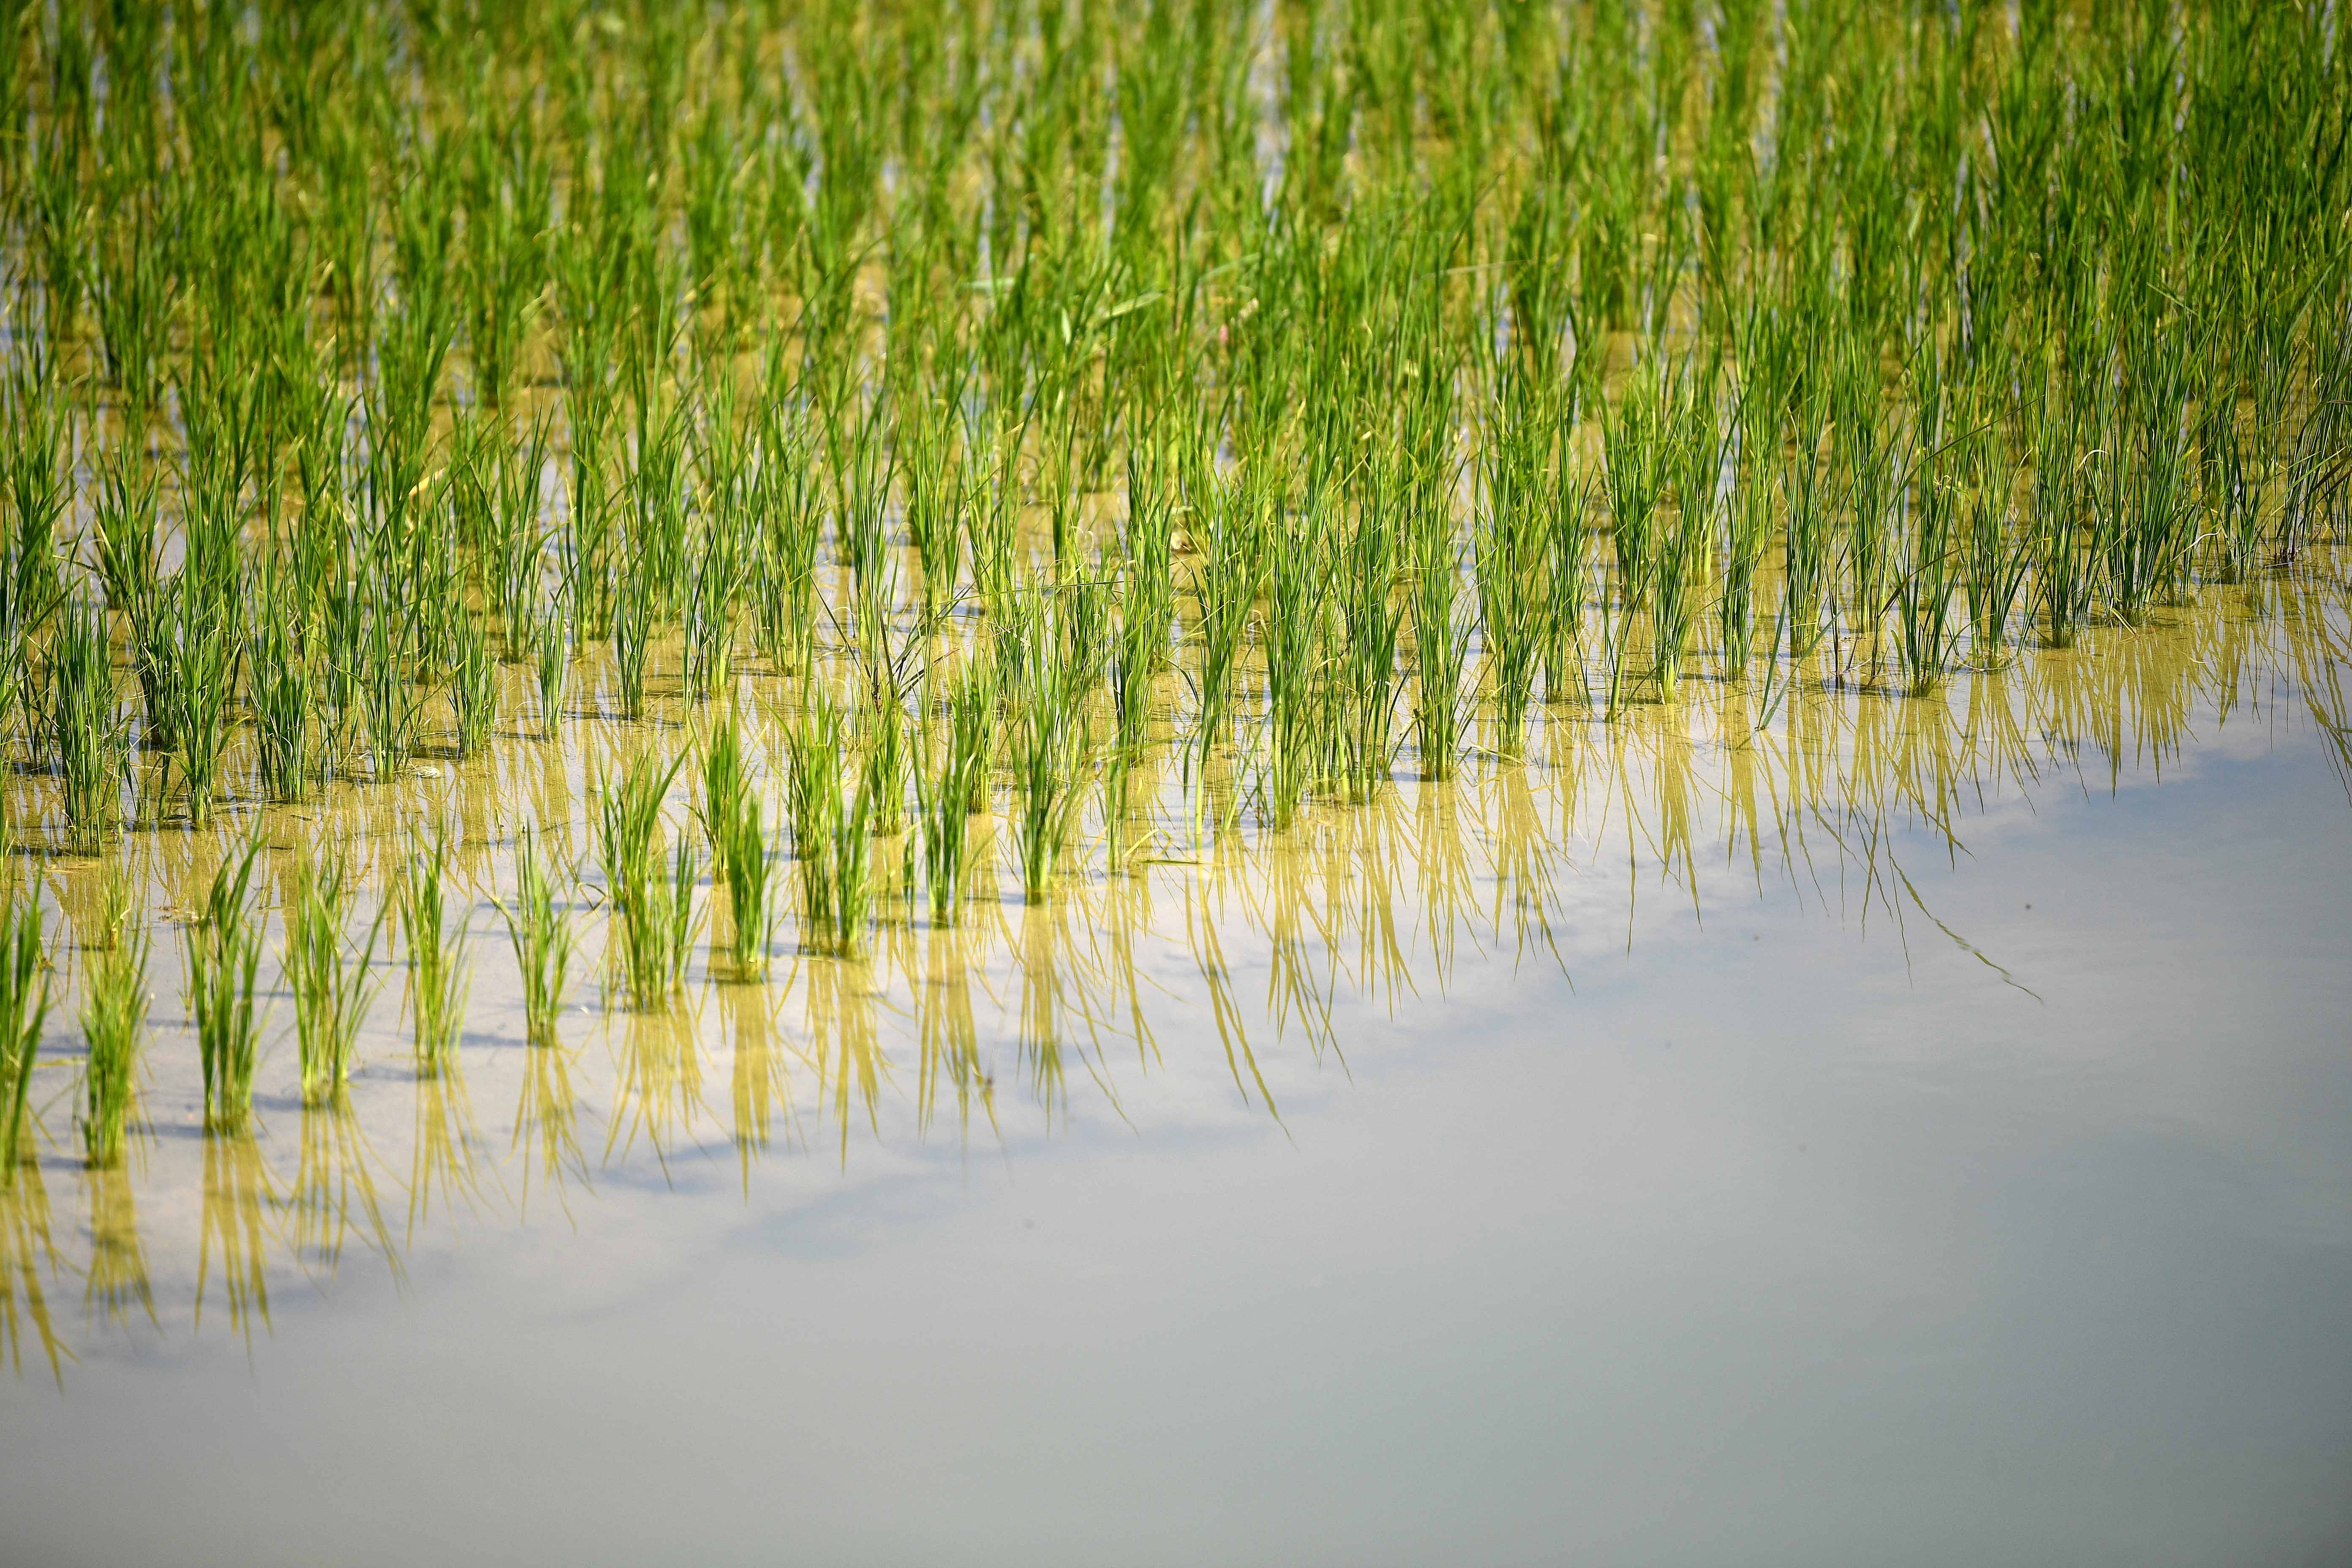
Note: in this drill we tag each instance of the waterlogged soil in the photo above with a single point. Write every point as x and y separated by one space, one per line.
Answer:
1814 1126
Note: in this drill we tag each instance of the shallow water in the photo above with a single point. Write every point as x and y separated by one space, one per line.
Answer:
1912 1130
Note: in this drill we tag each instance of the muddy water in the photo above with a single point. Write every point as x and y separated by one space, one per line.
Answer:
1842 1129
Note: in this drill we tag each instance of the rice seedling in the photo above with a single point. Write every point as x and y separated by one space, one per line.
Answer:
732 820
123 517
542 936
633 625
516 542
200 650
223 953
278 655
332 987
1995 556
1441 652
833 835
1300 706
24 1008
473 687
1567 547
91 736
649 879
1047 742
2062 577
1922 599
114 1022
1747 533
389 700
437 960
949 798
1680 550
1226 587
551 655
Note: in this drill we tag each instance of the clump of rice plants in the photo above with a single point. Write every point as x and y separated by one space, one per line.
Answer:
733 819
542 936
197 649
332 986
91 736
114 1022
473 687
551 656
437 960
832 830
224 957
284 701
649 879
1048 744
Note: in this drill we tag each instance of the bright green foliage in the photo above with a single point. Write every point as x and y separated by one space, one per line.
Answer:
437 961
332 987
224 957
649 879
542 936
113 1019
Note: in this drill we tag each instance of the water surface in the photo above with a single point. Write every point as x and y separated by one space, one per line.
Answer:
1911 1131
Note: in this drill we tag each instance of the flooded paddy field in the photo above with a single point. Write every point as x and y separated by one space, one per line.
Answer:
1904 1114
1169 784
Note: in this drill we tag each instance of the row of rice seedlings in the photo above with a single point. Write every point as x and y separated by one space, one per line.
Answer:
551 655
970 403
